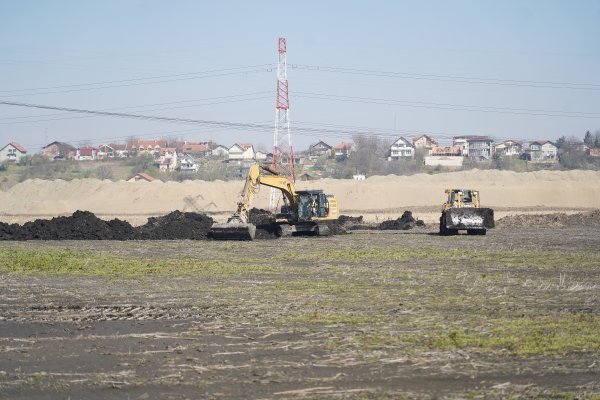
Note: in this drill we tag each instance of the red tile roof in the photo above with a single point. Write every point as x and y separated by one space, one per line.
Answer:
343 146
194 148
18 147
143 176
86 151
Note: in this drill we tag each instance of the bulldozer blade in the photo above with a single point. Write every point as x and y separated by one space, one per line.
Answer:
470 218
233 231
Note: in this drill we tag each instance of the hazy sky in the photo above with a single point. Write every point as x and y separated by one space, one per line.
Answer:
508 69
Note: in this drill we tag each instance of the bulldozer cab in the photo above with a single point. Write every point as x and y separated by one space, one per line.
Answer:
459 198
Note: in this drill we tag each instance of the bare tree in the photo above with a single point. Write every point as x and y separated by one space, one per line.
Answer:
370 155
104 172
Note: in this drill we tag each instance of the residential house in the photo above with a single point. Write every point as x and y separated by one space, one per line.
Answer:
461 143
262 155
58 150
86 153
241 152
543 151
509 148
480 147
319 149
401 149
112 150
106 151
195 149
343 150
188 164
152 147
424 142
12 152
219 151
140 177
167 159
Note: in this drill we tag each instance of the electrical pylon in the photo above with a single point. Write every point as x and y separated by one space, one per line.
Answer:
283 156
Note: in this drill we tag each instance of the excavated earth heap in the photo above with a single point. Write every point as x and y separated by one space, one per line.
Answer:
84 225
590 218
403 223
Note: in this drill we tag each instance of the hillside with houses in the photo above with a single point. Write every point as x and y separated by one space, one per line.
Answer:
364 156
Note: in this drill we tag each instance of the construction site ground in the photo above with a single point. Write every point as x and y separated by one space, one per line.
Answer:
381 314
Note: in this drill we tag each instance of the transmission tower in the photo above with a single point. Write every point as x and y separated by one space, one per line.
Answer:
283 156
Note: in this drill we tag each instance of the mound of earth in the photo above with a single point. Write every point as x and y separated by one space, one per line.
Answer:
177 225
336 227
82 225
403 223
266 228
591 218
353 223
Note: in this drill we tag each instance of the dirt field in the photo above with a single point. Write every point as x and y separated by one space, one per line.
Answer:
380 315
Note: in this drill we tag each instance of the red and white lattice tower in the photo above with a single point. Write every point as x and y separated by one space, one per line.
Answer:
283 156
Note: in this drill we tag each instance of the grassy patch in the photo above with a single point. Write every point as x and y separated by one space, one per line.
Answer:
546 259
520 337
98 264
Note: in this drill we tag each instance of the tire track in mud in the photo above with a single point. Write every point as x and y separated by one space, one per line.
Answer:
122 312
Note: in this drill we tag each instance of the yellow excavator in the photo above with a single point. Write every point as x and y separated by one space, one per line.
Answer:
462 211
304 212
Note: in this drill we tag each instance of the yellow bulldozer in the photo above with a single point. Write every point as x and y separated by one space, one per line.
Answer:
462 211
303 212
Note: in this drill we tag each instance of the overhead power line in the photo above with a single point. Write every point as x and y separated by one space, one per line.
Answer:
448 78
303 129
138 81
198 103
446 106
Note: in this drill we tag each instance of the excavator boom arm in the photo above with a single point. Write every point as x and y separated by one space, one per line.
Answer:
238 226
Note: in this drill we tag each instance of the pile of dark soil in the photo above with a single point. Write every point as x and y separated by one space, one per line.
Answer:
8 231
84 225
404 223
266 228
350 223
591 218
176 225
336 227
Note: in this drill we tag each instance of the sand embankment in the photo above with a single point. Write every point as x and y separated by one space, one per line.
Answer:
377 197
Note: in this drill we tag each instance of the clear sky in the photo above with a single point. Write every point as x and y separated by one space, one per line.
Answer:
507 69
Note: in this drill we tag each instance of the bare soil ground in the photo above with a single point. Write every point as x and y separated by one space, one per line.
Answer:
391 314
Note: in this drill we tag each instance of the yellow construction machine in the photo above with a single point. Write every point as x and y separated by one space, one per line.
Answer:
462 211
304 212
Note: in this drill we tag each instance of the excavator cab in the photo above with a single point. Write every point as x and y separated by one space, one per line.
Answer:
312 204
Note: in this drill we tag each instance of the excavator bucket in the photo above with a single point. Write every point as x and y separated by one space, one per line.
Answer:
469 218
233 231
